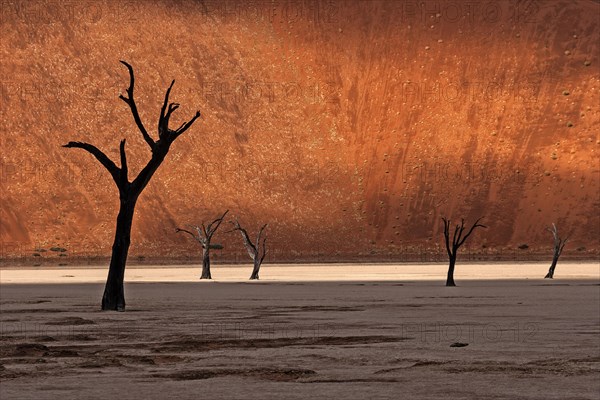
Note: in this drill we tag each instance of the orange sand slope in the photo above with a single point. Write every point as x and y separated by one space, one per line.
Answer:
346 125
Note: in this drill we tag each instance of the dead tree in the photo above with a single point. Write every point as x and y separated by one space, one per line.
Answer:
257 250
457 240
204 236
129 191
559 244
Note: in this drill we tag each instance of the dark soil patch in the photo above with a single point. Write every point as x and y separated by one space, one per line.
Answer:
195 345
71 321
270 374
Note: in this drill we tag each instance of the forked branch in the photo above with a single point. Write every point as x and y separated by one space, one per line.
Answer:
458 239
250 247
185 126
134 111
213 226
264 249
475 225
253 249
197 238
203 234
559 243
165 115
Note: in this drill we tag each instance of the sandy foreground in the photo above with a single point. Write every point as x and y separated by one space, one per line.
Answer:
310 331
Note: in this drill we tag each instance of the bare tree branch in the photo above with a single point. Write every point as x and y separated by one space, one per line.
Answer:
253 249
134 111
264 248
210 229
177 230
454 238
204 236
475 225
165 115
100 156
163 120
562 247
457 240
184 127
250 247
260 231
199 231
447 235
172 108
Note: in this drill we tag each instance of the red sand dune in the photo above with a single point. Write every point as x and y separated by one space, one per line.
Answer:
351 127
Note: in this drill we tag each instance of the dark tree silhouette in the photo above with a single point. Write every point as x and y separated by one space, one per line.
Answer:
559 244
457 240
204 236
257 250
129 191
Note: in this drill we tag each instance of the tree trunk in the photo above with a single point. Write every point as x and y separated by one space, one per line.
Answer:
114 296
550 274
450 278
256 268
205 264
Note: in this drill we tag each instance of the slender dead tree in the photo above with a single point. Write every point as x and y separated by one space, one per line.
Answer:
559 245
203 235
129 191
457 240
257 250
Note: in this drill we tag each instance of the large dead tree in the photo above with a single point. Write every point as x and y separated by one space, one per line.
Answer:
257 250
559 245
203 235
458 239
129 191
